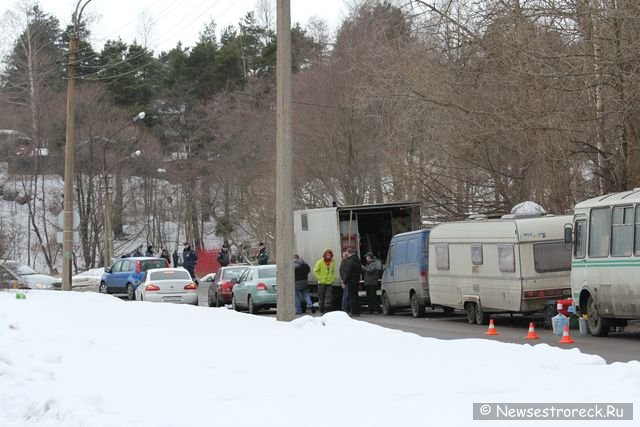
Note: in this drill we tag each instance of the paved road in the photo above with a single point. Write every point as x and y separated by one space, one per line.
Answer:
618 347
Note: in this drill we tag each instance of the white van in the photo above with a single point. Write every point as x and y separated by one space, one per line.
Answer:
508 265
606 253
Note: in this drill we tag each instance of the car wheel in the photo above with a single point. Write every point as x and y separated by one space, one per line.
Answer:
209 302
470 310
598 326
482 317
131 292
102 288
417 309
234 304
216 301
253 309
387 310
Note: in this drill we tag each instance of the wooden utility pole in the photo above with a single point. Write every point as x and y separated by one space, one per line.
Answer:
284 168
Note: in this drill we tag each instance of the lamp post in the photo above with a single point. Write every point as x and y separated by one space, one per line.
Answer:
67 234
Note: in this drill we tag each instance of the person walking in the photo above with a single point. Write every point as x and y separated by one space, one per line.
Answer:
223 256
353 271
263 255
343 281
176 258
149 251
325 272
301 273
371 274
189 259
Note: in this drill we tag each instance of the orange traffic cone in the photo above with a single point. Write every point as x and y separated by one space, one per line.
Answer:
566 339
532 333
492 329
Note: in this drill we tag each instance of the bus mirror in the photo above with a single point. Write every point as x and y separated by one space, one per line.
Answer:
568 234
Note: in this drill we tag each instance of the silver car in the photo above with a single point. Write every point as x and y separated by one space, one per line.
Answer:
167 285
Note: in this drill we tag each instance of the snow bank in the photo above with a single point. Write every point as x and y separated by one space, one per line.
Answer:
69 359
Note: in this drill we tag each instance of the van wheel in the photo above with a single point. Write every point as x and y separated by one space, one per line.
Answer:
470 309
417 309
599 326
482 317
131 294
387 310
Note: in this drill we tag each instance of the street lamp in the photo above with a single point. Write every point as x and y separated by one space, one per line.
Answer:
67 241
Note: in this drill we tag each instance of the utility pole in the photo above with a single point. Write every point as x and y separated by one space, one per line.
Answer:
67 233
284 168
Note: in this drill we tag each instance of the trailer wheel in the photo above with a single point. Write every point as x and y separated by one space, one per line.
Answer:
417 308
387 310
599 326
482 317
470 309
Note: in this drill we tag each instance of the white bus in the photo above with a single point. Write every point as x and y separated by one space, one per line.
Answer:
510 265
606 253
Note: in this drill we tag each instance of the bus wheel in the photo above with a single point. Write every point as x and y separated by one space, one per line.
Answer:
599 326
470 309
482 317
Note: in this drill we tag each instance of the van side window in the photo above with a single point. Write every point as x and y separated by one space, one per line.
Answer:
401 252
476 255
580 245
442 257
304 219
506 258
390 256
599 232
622 231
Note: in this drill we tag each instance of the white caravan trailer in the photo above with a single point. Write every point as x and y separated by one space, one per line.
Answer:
605 280
508 265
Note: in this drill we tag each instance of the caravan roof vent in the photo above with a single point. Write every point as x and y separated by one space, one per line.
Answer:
527 209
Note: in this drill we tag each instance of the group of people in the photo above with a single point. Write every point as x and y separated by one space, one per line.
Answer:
227 255
344 295
188 261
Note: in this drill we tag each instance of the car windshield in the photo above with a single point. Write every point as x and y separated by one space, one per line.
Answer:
233 273
148 264
170 275
19 268
267 273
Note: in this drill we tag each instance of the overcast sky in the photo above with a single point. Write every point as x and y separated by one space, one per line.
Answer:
175 20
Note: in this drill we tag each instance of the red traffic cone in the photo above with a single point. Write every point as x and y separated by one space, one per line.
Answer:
566 339
532 333
492 329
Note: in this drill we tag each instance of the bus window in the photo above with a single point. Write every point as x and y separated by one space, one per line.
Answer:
622 231
580 246
599 232
637 229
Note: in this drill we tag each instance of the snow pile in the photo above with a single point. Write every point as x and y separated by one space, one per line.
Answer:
85 359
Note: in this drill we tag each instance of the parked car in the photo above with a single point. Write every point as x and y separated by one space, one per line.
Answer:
256 289
167 285
87 280
125 273
219 292
14 274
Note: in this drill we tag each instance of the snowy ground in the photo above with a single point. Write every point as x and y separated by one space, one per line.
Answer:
85 359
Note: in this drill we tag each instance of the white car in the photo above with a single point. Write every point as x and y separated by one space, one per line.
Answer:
167 285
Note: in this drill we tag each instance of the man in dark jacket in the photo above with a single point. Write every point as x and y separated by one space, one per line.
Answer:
343 280
371 273
353 271
223 256
176 258
189 259
301 273
263 255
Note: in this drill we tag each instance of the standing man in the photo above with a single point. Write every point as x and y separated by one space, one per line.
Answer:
325 272
353 271
176 258
189 259
371 273
149 251
263 255
223 256
343 281
165 254
301 272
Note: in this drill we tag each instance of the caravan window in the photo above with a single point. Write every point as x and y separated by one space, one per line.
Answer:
476 255
442 257
622 231
599 232
506 259
551 256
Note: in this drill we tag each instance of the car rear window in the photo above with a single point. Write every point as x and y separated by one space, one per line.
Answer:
170 275
267 273
232 273
152 263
